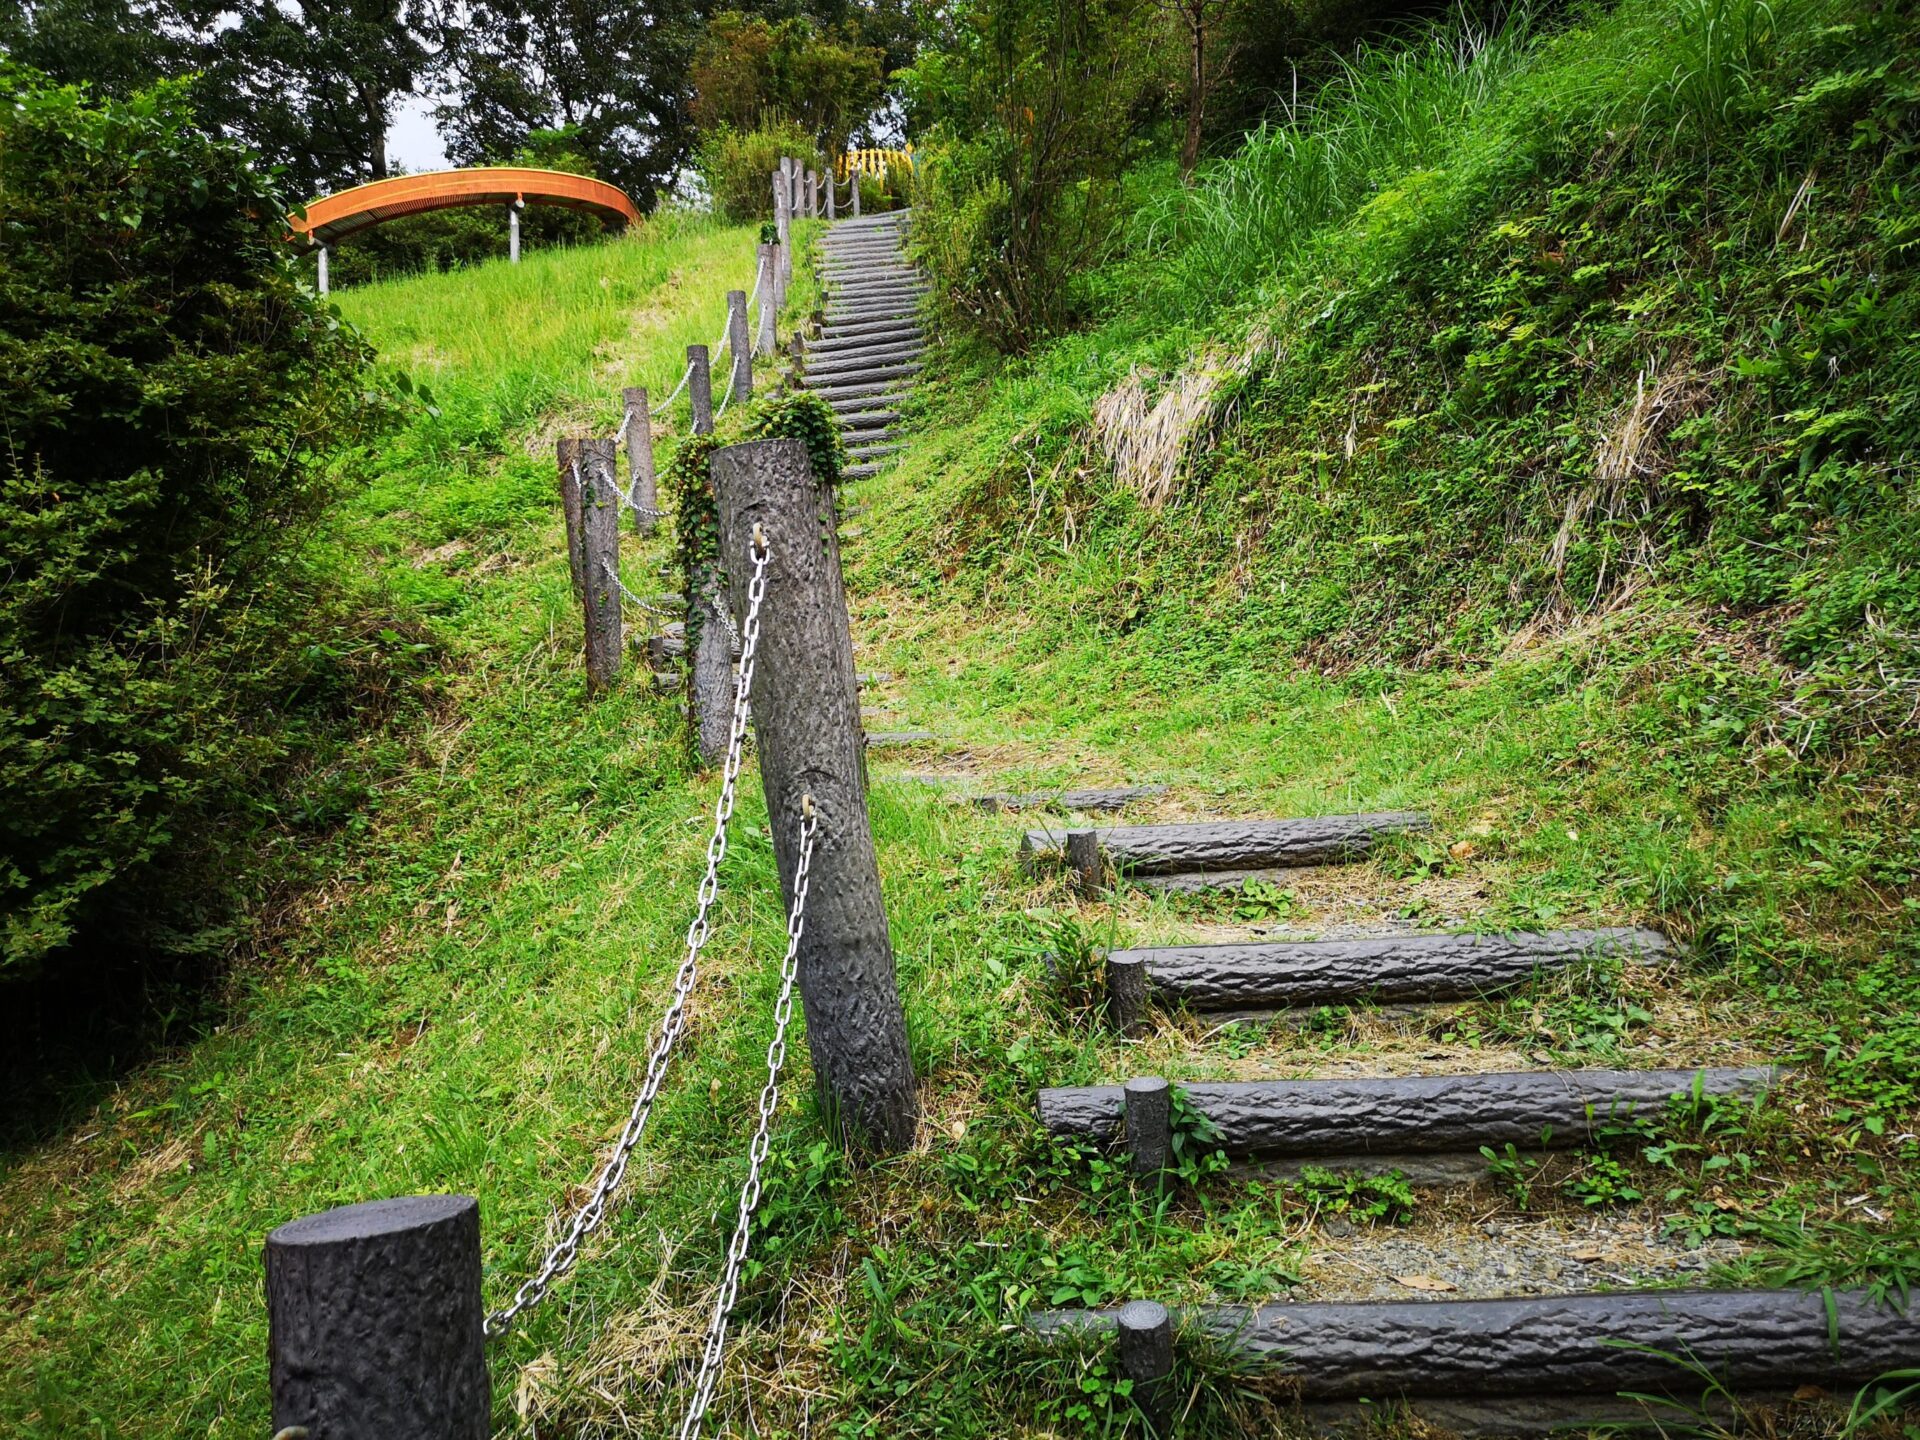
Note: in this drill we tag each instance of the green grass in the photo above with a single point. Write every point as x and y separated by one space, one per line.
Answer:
1303 628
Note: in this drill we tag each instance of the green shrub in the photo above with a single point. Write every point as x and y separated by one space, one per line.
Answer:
738 167
170 388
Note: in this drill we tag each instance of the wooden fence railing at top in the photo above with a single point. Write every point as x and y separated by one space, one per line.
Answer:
872 162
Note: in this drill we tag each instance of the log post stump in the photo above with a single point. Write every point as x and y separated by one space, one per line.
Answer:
1146 1358
643 488
374 1322
1149 1112
806 723
600 562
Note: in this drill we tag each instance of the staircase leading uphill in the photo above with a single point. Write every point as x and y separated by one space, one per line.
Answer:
870 343
1527 1348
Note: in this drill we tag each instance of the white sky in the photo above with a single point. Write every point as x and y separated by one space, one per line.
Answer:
412 142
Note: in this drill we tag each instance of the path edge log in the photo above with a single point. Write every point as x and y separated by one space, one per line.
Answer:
806 725
600 562
375 1322
643 488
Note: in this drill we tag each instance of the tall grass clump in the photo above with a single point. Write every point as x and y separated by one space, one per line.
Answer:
1391 109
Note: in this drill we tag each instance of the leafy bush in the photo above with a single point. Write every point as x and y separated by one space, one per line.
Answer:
738 166
171 388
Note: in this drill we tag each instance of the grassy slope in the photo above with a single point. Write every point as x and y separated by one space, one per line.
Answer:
466 1008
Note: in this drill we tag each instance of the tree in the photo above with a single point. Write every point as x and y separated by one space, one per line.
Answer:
611 72
311 84
114 46
748 73
172 392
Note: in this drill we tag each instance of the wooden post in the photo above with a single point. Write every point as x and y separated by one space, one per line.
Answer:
853 174
782 277
1127 992
1149 1110
806 722
764 342
813 195
782 204
1146 1358
600 562
374 1322
567 453
1084 862
700 390
320 274
739 347
643 490
830 185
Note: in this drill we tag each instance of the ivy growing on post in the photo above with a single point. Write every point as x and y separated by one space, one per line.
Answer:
687 485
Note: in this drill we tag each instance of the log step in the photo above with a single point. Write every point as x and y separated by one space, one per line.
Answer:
1319 1120
890 739
1228 844
1388 969
1523 1366
1113 798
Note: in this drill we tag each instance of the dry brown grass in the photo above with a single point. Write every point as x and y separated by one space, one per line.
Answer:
1149 440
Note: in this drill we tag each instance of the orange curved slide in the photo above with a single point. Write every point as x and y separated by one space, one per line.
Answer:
333 218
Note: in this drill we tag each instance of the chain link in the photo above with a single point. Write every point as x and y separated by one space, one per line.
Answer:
664 612
712 1356
589 1217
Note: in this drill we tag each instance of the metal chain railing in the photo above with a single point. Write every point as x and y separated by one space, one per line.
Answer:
712 1356
589 1217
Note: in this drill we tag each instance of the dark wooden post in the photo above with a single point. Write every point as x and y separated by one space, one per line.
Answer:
853 173
739 346
830 184
374 1322
1084 862
813 195
567 453
1127 993
1149 1111
600 562
806 722
782 203
1146 1358
763 342
700 389
643 489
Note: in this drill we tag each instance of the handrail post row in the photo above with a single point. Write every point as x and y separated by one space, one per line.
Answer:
600 560
739 347
642 484
806 724
763 343
567 455
374 1321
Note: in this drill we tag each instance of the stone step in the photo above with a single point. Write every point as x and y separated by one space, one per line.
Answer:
858 420
878 347
873 451
1387 970
1528 1365
1375 1119
1225 845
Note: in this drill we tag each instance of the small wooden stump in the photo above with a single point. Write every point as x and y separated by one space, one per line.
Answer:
1146 1358
1149 1111
374 1322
